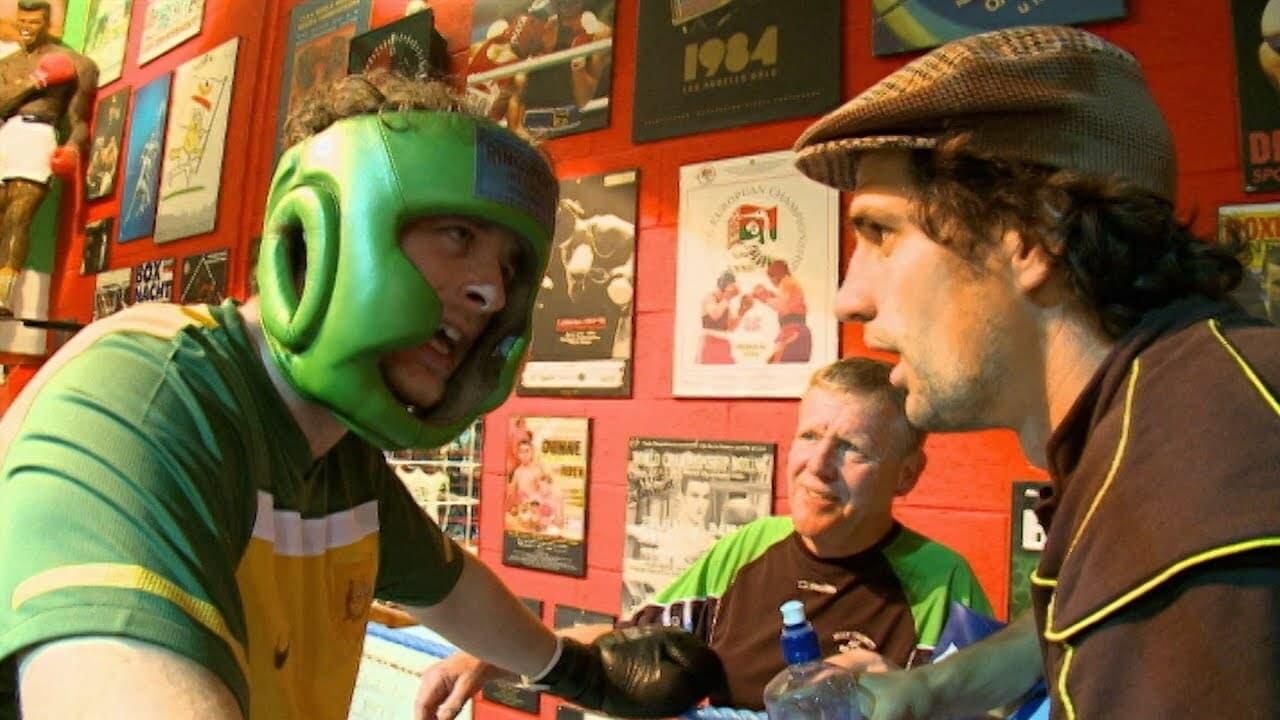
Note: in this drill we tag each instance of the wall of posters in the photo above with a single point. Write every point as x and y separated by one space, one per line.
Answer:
97 241
707 65
682 496
167 25
107 35
194 142
204 278
410 46
143 159
582 321
1026 541
104 151
1256 27
545 504
111 292
755 278
905 25
544 71
1258 227
320 33
153 281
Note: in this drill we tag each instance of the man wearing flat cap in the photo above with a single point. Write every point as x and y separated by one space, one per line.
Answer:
1017 246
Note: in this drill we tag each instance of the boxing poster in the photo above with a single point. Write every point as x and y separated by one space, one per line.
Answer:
1257 226
545 503
445 482
544 66
709 64
168 24
410 46
204 278
512 693
104 150
153 281
192 175
904 25
1026 541
320 33
97 240
111 292
106 36
143 158
756 270
57 23
582 319
682 496
1256 26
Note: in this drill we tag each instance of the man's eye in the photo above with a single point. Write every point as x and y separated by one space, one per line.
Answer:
808 435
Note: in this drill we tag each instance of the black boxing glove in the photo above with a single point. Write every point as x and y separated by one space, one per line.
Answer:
649 672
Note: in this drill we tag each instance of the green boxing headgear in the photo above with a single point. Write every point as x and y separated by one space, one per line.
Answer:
341 197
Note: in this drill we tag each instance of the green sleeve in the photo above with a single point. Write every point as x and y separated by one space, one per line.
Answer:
120 516
711 575
933 576
418 564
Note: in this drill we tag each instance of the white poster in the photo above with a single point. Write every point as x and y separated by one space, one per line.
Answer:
168 24
201 98
755 278
153 281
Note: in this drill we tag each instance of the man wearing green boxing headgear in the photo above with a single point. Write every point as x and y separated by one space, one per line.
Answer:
219 514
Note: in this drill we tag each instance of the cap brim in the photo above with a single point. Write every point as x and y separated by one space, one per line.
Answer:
835 162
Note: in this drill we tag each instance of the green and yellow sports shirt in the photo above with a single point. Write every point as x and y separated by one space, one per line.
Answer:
154 486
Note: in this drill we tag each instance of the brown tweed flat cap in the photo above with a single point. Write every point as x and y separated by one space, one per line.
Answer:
1051 95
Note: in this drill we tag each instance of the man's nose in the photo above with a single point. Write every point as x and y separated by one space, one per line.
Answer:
854 299
822 458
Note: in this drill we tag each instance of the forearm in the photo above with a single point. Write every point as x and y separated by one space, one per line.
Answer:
482 617
989 674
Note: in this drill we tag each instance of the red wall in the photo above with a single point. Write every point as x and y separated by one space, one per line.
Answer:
964 497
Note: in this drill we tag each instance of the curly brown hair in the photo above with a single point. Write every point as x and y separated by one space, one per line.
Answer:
370 93
1123 249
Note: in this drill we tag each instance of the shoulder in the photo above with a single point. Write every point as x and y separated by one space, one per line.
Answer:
920 556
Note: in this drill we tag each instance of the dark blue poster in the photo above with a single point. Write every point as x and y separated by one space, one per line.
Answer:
904 25
320 33
142 161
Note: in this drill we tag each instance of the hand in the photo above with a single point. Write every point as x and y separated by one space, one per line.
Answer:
53 68
649 672
447 685
861 660
745 304
65 161
895 695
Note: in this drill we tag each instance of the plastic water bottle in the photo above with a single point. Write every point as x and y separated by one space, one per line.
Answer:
808 688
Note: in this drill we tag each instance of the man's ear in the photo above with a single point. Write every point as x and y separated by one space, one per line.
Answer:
909 473
1032 268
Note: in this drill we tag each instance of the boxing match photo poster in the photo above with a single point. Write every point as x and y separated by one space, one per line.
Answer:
194 144
1257 226
97 241
682 496
756 265
153 281
582 319
545 503
204 278
708 64
1256 27
899 26
106 36
545 66
168 24
111 292
410 46
104 149
319 38
1026 542
143 159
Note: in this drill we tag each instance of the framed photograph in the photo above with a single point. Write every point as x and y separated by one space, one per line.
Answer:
1256 28
582 321
445 481
1258 227
104 149
106 36
195 139
168 24
709 64
153 281
111 292
682 496
204 278
1026 541
543 67
97 241
545 503
756 267
410 46
904 25
567 616
320 33
143 159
